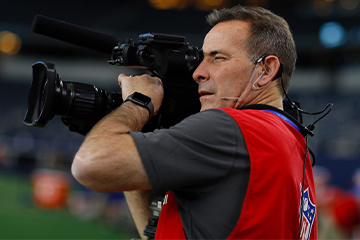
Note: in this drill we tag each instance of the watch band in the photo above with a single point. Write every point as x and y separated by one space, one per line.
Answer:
141 100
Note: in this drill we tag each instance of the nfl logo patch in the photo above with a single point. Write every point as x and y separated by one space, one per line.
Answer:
308 215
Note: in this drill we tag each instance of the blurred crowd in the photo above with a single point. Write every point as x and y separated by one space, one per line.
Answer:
338 210
52 187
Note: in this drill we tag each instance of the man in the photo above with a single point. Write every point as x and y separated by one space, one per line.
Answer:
234 170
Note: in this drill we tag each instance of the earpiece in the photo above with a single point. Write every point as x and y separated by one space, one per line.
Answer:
280 71
256 87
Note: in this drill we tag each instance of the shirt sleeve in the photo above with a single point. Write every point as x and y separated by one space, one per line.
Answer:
191 155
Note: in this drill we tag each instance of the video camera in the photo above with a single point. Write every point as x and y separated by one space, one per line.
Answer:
81 105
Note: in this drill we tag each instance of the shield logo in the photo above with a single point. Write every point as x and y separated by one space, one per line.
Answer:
308 215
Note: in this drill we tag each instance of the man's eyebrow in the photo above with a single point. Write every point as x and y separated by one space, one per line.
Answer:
214 52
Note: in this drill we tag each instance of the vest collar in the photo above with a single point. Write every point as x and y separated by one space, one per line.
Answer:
283 115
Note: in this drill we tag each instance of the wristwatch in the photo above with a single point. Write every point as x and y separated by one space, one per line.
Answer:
141 100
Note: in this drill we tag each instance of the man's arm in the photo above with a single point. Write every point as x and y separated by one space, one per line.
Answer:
108 159
138 203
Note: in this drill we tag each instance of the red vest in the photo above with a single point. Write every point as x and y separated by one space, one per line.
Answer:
271 209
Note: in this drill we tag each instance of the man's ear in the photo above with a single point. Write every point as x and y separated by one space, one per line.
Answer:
270 68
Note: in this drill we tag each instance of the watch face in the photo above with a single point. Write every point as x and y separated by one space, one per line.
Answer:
143 101
141 98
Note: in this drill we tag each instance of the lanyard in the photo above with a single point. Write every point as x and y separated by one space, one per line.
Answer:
283 117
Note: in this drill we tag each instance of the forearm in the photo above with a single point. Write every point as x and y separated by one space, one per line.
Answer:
127 117
108 159
138 203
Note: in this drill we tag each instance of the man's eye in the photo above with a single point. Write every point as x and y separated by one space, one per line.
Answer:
219 58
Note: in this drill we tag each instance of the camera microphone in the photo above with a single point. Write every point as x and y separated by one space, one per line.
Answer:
74 34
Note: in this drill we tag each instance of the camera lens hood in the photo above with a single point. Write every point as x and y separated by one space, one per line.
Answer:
41 94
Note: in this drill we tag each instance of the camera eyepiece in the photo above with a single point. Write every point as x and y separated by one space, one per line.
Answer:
41 95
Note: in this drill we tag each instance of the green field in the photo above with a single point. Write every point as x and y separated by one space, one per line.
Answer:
20 219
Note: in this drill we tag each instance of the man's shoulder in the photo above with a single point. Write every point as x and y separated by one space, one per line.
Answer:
215 117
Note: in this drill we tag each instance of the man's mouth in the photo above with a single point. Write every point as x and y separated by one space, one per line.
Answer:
203 93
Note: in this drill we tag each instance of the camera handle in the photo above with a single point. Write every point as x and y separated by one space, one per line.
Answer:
155 205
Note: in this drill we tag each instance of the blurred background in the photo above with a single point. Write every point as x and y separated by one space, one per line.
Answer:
38 197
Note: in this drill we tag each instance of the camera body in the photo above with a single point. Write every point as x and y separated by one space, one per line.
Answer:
161 54
82 105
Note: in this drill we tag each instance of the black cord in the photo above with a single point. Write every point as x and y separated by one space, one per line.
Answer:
308 131
303 111
302 186
311 127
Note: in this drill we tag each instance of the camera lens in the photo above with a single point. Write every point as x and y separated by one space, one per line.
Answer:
78 102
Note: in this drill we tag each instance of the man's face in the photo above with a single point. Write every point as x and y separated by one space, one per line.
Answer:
225 70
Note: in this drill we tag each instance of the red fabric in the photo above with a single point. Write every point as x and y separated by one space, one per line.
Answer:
170 225
272 204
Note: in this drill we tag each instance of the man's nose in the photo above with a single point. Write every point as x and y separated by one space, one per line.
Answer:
200 73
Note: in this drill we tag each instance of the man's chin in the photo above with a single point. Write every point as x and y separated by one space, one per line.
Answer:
207 105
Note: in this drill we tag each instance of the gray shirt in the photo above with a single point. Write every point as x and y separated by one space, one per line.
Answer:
204 161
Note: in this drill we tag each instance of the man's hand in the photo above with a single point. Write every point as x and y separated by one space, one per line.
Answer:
145 84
